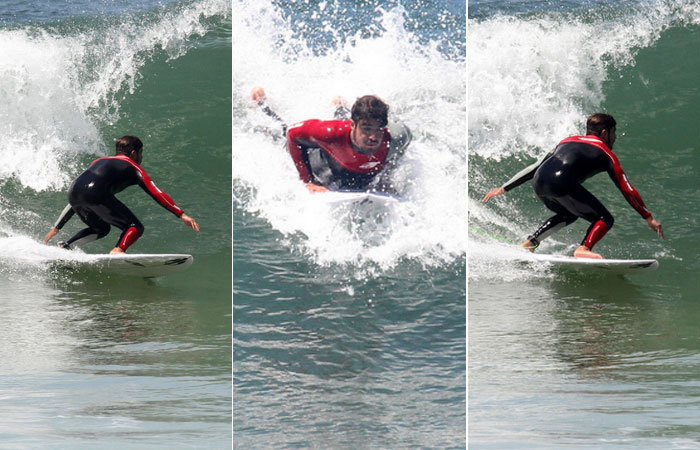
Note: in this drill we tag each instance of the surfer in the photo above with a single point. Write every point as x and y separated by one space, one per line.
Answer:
91 196
557 178
355 151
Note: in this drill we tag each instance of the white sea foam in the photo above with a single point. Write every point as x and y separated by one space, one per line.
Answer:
538 77
424 89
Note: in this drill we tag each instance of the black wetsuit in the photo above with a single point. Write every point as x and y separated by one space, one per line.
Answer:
91 196
557 181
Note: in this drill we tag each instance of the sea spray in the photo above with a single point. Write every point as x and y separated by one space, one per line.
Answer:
424 87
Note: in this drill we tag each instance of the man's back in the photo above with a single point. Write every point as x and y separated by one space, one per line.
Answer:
573 161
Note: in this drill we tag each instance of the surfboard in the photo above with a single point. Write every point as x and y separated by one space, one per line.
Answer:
352 197
613 266
141 265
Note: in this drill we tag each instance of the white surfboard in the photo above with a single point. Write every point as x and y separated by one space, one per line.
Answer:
614 266
141 265
350 197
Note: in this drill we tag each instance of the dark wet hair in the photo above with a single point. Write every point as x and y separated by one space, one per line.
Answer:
599 122
126 144
370 107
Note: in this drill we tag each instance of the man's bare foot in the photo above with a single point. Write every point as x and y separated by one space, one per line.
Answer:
116 251
585 252
527 245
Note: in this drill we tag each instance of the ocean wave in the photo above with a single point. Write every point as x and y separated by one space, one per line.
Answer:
60 83
536 76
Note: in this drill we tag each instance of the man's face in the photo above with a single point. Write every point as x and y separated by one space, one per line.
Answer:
367 134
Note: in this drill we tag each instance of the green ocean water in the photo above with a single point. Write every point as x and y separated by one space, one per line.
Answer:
561 359
92 360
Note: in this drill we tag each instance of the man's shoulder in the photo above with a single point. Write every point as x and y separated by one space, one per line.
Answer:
322 129
400 134
590 140
570 139
119 163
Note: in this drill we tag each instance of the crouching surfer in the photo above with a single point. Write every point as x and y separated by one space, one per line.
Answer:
91 196
557 178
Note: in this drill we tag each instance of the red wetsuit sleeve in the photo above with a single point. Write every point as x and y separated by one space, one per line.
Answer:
301 136
161 197
151 189
65 216
620 179
297 134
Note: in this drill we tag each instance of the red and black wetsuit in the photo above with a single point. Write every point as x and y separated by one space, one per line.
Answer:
557 181
91 196
323 154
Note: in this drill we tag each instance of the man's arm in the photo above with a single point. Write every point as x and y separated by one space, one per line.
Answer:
304 135
526 174
258 95
63 218
296 134
164 199
147 184
160 196
401 137
617 175
519 178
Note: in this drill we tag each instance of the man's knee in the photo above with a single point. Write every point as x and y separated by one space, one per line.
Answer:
139 227
101 229
608 219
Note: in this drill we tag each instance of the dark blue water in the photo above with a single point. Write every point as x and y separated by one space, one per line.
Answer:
36 11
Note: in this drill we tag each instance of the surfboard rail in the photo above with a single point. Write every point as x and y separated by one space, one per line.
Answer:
619 266
146 265
346 197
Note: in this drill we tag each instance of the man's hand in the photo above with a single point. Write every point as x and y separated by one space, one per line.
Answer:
313 188
656 226
52 232
493 193
339 101
258 95
190 222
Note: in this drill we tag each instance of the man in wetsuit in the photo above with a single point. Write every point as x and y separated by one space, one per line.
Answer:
354 152
557 179
91 196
